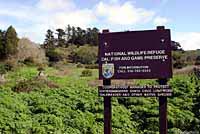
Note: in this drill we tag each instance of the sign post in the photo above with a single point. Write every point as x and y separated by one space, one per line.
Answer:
135 55
163 104
107 111
107 106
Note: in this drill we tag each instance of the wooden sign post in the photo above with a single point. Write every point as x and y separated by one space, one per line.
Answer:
162 103
107 106
163 110
135 55
107 111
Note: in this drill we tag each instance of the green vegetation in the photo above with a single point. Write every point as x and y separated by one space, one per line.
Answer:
29 105
8 42
86 73
62 98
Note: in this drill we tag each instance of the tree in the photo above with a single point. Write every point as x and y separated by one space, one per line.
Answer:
49 40
73 35
92 36
61 37
95 32
176 46
80 38
11 41
68 32
2 44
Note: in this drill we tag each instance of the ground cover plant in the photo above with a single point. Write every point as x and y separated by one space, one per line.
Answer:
75 108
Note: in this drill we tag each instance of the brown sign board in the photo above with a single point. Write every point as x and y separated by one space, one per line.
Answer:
135 55
135 91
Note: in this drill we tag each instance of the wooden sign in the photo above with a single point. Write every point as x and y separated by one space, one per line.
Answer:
135 55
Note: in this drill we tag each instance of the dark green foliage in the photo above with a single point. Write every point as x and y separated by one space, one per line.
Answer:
76 108
53 54
40 68
181 106
196 101
61 38
36 106
2 44
11 41
49 40
30 85
178 61
79 36
197 62
197 72
176 46
185 58
84 54
86 73
92 66
29 61
92 36
3 69
71 35
8 42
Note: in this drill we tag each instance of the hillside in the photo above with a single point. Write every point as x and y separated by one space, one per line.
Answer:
63 102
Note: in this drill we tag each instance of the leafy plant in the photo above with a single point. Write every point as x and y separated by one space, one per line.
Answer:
86 73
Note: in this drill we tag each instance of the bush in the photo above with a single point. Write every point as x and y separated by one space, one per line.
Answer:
8 65
53 55
30 53
84 54
29 85
178 60
41 68
79 65
86 73
197 62
11 64
2 69
29 61
92 66
197 72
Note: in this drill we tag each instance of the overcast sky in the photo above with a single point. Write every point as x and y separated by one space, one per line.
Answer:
32 18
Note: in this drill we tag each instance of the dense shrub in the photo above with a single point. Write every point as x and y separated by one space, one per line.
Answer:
11 64
84 54
92 66
86 73
75 108
178 60
29 85
30 53
34 84
197 62
79 65
8 65
28 61
54 55
197 72
3 69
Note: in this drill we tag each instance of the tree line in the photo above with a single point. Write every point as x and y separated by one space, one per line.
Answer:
81 46
71 35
